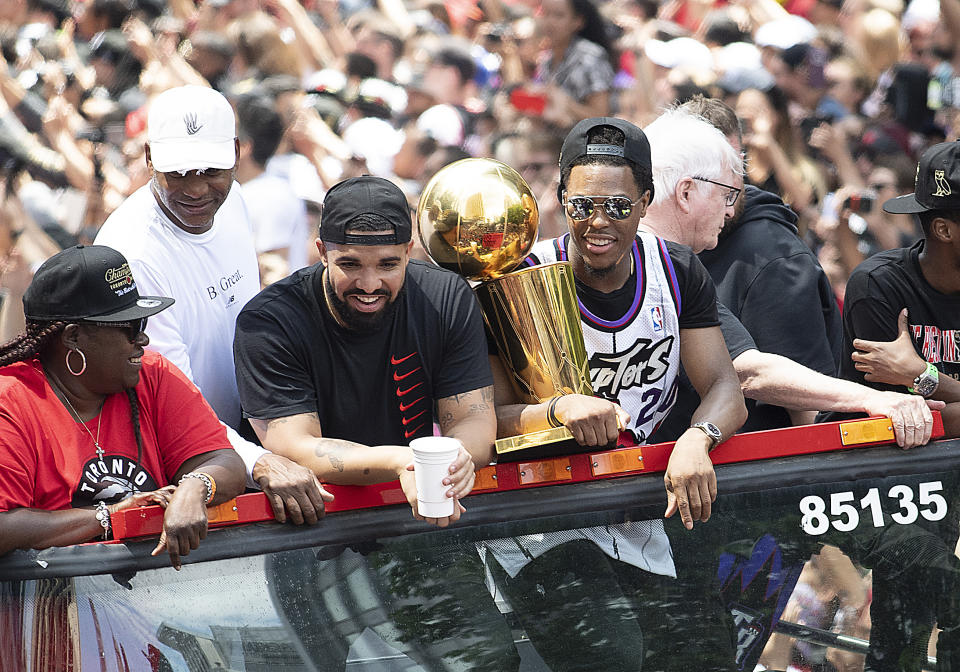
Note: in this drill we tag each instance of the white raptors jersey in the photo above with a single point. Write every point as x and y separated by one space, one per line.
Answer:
635 359
634 362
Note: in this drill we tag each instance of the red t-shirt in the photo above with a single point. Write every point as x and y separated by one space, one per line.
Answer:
48 461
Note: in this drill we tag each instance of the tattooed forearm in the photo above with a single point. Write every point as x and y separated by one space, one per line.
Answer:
332 449
445 420
461 406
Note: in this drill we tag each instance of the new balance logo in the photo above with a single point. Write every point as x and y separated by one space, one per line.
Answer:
190 120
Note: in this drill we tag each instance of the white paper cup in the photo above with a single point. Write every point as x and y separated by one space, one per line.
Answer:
432 457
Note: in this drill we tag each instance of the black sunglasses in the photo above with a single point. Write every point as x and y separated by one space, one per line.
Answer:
133 329
580 208
730 197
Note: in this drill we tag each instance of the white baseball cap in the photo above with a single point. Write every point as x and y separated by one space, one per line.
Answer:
190 128
679 52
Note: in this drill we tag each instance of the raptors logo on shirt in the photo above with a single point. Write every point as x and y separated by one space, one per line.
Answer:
634 360
111 479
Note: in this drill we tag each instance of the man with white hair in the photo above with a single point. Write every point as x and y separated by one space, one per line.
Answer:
678 140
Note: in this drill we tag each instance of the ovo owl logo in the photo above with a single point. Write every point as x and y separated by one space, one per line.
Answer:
943 187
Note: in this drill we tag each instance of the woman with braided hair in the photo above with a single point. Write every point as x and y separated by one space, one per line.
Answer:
91 423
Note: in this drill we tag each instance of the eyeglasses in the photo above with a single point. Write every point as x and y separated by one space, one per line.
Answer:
133 329
580 208
731 196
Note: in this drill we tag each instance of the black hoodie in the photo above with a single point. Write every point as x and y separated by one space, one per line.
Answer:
774 284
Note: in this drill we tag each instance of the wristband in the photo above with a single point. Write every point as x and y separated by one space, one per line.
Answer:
103 517
552 419
208 481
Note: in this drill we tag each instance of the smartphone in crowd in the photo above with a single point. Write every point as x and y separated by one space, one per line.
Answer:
528 102
861 203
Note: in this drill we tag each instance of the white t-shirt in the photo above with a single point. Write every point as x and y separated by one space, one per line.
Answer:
278 217
211 275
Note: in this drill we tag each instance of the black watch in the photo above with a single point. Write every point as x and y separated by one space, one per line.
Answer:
711 430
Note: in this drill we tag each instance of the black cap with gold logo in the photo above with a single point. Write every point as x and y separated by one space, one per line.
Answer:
88 283
938 182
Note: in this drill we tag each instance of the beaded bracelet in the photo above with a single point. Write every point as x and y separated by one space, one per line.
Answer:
207 481
103 517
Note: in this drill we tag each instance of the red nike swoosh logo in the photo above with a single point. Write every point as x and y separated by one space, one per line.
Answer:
403 393
407 421
395 361
398 378
405 407
407 435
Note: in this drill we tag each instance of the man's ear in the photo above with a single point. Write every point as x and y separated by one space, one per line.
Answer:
683 192
322 249
643 203
944 230
146 156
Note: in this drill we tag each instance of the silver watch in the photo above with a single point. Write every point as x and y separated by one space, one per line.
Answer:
711 430
927 382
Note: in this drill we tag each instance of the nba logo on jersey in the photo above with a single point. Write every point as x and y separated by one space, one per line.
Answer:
656 317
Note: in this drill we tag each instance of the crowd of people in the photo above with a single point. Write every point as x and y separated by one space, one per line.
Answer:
724 181
837 100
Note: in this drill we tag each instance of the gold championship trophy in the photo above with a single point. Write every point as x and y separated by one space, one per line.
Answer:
478 218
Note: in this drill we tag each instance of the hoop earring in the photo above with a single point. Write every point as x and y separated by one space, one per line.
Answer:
83 360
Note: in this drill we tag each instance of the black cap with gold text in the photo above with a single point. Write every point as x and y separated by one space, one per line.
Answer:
88 283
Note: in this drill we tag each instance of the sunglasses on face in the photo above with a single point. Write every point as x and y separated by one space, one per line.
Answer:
132 329
580 208
732 194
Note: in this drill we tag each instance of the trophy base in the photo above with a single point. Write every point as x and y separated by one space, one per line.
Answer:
551 442
554 442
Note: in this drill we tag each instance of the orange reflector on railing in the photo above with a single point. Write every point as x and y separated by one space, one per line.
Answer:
866 431
544 471
223 513
616 462
486 479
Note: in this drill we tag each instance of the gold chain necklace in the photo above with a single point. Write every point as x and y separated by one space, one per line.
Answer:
63 395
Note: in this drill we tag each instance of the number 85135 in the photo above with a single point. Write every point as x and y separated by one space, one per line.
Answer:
845 517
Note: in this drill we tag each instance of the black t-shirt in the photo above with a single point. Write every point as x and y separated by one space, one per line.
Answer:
373 388
878 290
738 341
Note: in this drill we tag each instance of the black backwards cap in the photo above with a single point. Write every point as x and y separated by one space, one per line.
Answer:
937 185
365 195
635 150
88 283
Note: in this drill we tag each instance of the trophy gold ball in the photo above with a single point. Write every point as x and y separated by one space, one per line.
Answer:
478 218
